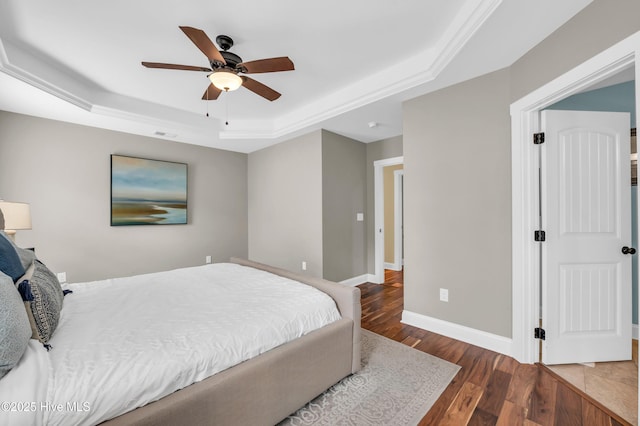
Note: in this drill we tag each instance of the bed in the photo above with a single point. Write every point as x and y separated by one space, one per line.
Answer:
267 384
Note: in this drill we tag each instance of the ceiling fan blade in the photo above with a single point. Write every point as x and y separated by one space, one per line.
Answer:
212 93
282 63
174 66
260 89
204 43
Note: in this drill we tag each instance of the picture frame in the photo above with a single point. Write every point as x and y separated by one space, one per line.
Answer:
148 192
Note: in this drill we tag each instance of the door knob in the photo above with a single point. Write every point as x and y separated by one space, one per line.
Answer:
628 250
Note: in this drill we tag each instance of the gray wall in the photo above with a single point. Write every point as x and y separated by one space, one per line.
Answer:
380 150
458 203
277 195
343 196
63 170
597 27
285 204
457 174
303 198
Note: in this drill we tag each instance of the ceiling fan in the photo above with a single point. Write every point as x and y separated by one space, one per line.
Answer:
226 67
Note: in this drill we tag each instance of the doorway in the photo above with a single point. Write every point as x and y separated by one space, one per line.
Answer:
526 185
398 221
525 115
393 217
379 215
586 287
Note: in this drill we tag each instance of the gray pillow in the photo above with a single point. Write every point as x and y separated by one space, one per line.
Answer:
15 331
42 296
26 256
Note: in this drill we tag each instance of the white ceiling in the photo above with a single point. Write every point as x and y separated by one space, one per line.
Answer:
356 61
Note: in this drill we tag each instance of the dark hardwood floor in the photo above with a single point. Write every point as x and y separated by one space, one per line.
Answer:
490 388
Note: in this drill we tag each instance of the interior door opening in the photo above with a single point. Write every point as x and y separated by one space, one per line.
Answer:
398 224
393 217
379 215
611 62
614 384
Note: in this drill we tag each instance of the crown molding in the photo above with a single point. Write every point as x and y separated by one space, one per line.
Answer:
18 56
403 76
424 67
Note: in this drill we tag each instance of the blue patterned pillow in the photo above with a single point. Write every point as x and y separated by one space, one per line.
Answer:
42 295
15 331
9 260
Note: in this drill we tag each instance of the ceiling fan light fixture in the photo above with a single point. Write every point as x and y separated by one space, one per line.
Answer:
225 80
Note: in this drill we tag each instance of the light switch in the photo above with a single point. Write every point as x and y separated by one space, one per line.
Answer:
359 217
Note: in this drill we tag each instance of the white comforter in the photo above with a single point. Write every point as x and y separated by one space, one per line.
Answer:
123 343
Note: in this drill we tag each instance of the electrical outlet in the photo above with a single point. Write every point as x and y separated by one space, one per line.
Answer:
304 265
62 277
444 295
207 259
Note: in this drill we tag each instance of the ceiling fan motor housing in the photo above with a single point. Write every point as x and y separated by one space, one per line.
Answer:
231 59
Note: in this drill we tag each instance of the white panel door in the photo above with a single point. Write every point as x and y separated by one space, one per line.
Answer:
586 214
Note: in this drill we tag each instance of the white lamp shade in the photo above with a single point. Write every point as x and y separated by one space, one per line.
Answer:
225 80
16 215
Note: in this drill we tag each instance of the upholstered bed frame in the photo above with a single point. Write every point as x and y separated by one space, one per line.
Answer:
266 389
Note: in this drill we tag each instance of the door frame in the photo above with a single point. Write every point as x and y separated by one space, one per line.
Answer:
378 230
525 120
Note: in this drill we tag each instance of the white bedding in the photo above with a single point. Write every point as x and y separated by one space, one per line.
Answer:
123 343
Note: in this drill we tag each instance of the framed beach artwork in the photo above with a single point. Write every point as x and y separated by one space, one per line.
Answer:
147 192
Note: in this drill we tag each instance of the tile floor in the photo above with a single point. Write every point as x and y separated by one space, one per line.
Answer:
614 384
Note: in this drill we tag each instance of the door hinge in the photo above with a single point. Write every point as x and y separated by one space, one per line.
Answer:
539 236
539 333
538 138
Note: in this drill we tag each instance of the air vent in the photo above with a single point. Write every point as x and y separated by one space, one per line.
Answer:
165 134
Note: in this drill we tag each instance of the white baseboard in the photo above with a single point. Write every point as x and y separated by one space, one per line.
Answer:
485 340
634 331
361 279
392 266
373 280
352 282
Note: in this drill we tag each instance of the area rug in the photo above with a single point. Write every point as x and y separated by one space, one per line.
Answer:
396 386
